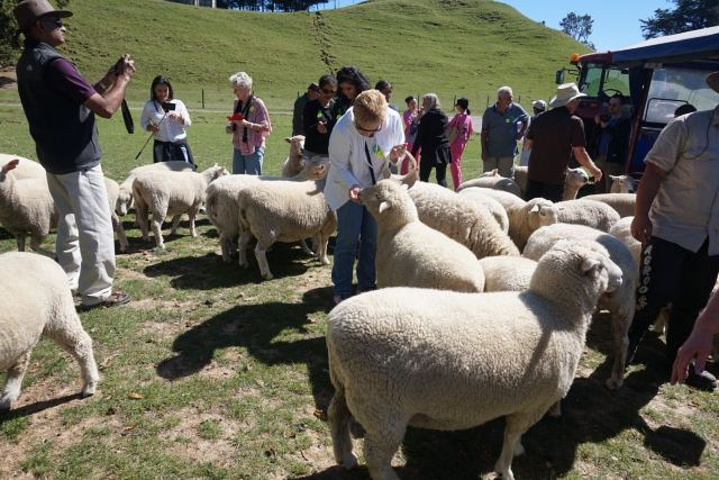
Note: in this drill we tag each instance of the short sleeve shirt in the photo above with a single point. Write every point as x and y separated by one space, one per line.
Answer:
686 210
502 128
554 134
64 77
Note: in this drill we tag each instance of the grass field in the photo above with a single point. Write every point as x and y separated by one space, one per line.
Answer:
212 373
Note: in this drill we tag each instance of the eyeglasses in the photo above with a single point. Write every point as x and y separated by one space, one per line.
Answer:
368 130
328 92
52 22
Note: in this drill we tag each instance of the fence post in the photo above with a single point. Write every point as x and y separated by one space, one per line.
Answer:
203 98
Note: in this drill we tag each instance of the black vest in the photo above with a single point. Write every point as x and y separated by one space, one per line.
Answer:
64 131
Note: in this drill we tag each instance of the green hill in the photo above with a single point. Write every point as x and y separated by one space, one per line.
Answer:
451 47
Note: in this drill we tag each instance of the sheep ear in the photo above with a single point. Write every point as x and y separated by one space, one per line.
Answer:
534 209
10 165
288 139
385 205
589 266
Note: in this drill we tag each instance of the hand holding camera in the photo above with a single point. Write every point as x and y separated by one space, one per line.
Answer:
124 67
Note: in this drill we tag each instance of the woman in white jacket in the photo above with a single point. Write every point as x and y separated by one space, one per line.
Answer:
167 118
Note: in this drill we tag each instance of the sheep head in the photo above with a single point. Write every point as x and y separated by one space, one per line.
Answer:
534 209
622 184
576 178
388 199
492 173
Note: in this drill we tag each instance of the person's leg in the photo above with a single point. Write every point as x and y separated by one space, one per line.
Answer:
535 189
254 162
238 162
441 174
425 167
659 280
505 166
157 149
349 226
490 164
366 271
67 244
456 166
553 192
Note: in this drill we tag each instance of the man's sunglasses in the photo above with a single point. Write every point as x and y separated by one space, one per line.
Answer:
52 22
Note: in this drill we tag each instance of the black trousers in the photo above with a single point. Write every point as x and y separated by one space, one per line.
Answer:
425 168
672 274
168 151
545 190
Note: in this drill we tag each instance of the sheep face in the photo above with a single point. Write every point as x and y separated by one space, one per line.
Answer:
297 145
576 178
124 202
622 184
536 208
315 169
387 199
548 215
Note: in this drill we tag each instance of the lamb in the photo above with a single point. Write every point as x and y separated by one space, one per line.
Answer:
525 219
296 160
25 169
459 219
113 192
125 200
411 254
620 303
507 274
222 203
493 180
449 360
623 203
37 301
26 208
488 203
283 211
170 193
580 212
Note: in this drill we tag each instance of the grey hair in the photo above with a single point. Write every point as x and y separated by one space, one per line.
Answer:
242 80
504 89
432 100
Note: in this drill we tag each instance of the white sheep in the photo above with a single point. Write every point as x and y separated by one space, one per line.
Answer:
461 220
575 179
170 193
411 254
113 192
493 180
622 231
506 199
26 208
488 203
283 211
222 205
590 213
296 159
521 176
36 301
623 203
620 303
623 184
507 274
524 220
124 198
448 361
26 168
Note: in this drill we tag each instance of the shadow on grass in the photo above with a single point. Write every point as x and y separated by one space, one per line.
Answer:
37 407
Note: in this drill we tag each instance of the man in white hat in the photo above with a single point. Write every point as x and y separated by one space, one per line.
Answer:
552 138
60 106
677 220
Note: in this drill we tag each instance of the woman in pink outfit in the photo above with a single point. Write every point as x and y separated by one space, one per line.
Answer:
410 119
462 123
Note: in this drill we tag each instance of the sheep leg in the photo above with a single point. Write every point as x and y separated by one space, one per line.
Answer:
339 418
121 236
261 256
242 244
13 381
175 223
228 245
69 334
35 243
305 248
158 217
621 321
141 218
193 215
322 250
20 239
381 444
516 425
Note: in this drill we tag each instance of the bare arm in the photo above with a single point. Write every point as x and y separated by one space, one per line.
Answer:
699 344
649 186
580 153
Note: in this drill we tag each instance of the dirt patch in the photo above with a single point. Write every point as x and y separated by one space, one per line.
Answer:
187 444
8 79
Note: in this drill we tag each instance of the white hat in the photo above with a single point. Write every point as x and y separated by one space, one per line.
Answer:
539 104
566 92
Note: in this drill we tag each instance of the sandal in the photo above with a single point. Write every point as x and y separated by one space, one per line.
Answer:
115 299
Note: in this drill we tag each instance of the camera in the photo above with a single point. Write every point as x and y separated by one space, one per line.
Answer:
168 107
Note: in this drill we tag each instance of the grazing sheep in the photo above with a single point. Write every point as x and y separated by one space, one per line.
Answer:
124 198
488 203
620 303
623 184
26 168
623 203
459 219
579 212
296 160
507 274
283 211
411 254
37 301
524 219
575 179
26 208
450 361
113 192
222 207
493 180
170 193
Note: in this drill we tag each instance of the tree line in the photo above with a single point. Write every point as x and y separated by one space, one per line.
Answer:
261 5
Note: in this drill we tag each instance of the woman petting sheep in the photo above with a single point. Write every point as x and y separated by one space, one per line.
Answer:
362 142
249 125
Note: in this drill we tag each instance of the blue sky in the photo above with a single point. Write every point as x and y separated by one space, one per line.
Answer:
616 22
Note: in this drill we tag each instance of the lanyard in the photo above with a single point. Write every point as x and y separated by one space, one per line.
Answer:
245 111
369 162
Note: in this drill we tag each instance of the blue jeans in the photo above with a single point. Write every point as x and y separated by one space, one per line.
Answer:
354 225
249 164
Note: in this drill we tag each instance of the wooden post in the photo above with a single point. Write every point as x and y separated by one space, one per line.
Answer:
203 98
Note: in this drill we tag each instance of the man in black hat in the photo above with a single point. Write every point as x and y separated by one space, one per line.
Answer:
60 106
313 91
